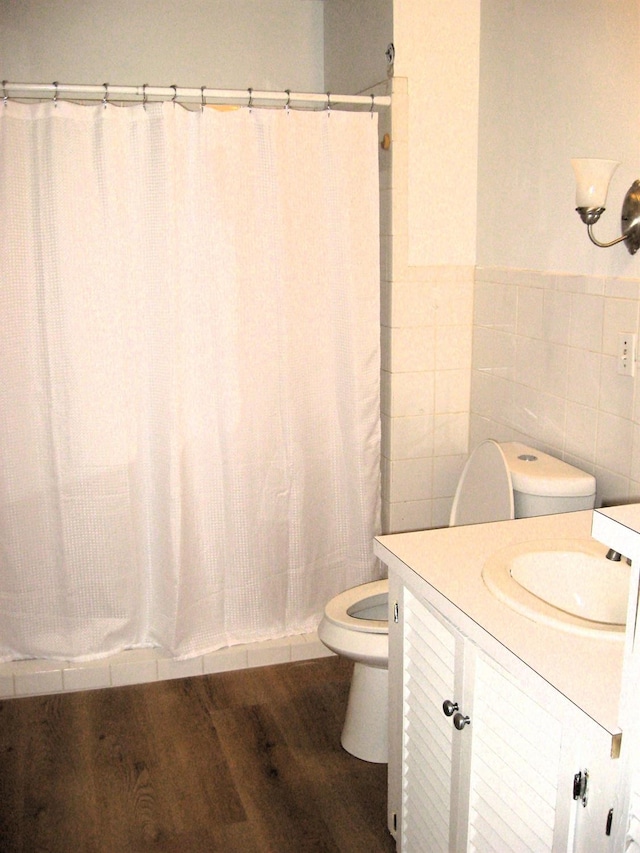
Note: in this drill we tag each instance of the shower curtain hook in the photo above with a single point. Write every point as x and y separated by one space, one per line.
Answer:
250 104
371 110
144 96
175 94
5 97
286 106
55 94
105 100
328 104
202 98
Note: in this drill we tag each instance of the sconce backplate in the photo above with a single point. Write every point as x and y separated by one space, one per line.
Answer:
630 219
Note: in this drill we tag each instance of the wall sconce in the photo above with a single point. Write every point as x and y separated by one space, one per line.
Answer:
592 185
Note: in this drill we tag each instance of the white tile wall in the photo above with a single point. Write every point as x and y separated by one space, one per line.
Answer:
544 371
426 316
137 666
503 353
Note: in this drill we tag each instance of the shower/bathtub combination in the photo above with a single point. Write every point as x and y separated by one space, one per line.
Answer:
190 381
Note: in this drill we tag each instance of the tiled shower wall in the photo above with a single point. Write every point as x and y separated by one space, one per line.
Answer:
426 322
545 371
138 666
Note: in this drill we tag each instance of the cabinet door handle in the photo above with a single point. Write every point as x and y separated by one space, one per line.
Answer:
449 707
460 721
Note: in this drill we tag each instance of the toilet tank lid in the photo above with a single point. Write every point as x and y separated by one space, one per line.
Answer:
536 473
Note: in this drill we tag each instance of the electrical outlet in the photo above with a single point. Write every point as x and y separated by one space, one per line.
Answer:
626 354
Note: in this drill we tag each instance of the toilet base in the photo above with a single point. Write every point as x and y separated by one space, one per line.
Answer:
365 727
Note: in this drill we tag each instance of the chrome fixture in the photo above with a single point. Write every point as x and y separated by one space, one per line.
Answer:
592 185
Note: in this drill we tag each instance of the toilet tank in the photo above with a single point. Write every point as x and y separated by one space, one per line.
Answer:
543 484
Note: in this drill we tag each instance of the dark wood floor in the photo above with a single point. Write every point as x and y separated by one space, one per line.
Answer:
245 761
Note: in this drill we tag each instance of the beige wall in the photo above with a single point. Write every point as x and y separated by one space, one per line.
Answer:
437 51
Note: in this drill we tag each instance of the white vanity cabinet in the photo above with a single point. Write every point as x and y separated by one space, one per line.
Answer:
483 752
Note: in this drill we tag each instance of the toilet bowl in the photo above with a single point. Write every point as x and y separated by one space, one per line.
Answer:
355 625
498 482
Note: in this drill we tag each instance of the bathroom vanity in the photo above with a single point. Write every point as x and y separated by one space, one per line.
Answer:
504 731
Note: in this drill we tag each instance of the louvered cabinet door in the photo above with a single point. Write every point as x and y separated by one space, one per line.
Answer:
493 771
484 776
528 744
431 745
514 768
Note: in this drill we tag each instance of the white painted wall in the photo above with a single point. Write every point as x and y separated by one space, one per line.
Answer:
437 50
557 80
273 45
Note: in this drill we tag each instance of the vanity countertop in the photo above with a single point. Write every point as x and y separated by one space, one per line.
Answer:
587 671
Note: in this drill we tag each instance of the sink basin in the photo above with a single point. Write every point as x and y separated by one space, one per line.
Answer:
566 583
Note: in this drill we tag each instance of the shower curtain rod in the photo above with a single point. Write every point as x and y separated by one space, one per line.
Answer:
192 96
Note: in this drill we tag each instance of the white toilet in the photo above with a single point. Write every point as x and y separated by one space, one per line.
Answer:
498 482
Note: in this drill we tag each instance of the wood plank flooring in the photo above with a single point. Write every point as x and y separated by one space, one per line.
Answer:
246 761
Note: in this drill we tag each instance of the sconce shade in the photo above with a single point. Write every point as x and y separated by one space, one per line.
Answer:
592 185
592 181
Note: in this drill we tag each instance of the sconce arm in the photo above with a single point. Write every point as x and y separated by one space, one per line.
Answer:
603 245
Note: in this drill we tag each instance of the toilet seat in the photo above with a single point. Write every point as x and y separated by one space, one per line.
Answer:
474 501
359 598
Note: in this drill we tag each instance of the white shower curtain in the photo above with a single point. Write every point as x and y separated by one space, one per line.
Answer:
189 374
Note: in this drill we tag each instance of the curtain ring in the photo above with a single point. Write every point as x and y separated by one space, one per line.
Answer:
144 95
371 110
106 94
55 94
250 104
5 97
175 94
202 98
287 105
328 107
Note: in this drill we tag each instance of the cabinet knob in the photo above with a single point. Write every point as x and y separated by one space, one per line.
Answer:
460 721
449 707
